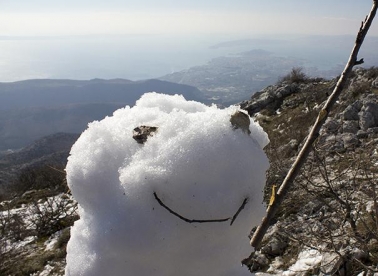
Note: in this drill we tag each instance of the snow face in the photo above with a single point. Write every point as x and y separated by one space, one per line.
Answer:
131 195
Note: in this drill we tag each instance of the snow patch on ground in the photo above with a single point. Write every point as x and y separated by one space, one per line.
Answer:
307 259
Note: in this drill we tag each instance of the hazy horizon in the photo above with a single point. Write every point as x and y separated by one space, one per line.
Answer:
138 57
144 39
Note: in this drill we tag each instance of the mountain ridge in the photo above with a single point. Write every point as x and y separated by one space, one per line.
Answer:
54 92
32 109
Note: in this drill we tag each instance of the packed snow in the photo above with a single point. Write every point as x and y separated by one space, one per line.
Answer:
307 259
142 206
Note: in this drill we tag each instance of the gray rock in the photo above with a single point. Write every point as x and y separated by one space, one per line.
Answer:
366 120
141 133
275 247
359 254
361 134
286 90
372 130
240 120
268 96
372 107
374 84
258 261
293 144
351 127
332 143
351 112
350 140
369 112
331 126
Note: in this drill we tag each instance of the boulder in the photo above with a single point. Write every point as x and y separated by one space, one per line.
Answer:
272 95
374 83
275 247
351 112
286 90
366 120
351 127
373 130
333 143
369 112
331 126
361 134
350 140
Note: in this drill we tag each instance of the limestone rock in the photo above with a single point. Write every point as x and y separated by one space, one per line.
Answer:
275 247
350 127
351 112
374 83
373 130
256 262
361 134
350 140
331 126
333 143
272 95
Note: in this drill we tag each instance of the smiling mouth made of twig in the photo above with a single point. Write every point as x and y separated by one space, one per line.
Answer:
231 219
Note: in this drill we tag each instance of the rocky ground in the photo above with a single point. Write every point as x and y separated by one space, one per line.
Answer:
328 224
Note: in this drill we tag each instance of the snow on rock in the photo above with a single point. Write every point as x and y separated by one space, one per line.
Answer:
131 194
307 259
46 271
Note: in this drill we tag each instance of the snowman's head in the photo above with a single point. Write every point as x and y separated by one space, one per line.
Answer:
168 187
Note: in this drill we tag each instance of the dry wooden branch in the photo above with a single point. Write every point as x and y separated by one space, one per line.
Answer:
314 133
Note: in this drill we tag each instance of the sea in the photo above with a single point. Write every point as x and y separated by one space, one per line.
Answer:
138 57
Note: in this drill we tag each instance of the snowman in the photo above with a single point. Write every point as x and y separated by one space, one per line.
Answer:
168 187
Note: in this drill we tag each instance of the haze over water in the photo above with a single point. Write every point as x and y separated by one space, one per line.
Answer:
81 39
137 57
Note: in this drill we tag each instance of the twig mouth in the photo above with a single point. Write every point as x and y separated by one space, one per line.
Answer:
232 219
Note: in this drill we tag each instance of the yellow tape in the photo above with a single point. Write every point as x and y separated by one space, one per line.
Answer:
322 114
273 196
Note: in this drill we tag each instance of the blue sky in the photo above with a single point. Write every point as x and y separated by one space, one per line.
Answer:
84 17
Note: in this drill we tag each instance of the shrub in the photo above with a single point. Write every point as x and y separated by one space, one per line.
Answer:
295 76
41 178
358 89
372 72
51 216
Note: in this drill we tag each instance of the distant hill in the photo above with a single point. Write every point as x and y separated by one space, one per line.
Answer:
48 152
41 150
32 109
20 127
49 93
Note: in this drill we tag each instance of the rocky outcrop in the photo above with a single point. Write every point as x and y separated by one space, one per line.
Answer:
351 112
270 96
343 152
359 120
